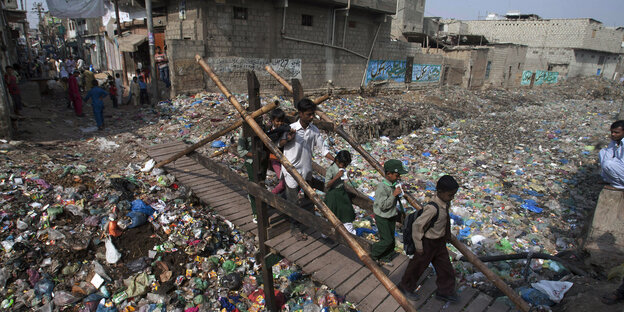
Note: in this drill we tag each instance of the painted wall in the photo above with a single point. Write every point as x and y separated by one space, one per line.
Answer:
541 77
395 71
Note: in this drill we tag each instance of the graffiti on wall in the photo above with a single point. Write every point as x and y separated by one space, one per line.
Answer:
547 77
541 77
382 70
526 77
426 73
287 68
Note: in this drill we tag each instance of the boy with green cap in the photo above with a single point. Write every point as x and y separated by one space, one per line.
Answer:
387 197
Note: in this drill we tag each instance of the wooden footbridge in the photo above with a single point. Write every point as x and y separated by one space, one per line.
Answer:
340 260
326 260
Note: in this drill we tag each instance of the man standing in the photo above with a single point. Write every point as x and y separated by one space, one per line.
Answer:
163 66
612 158
11 81
74 93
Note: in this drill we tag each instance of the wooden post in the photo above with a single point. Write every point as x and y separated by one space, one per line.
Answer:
253 89
265 109
309 191
297 91
470 256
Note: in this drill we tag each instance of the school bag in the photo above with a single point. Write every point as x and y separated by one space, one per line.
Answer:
408 242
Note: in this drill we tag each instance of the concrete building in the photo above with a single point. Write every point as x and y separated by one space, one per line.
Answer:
571 47
408 20
321 42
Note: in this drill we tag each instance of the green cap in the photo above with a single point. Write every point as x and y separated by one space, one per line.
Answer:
394 165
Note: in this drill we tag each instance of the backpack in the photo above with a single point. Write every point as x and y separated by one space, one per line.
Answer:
408 242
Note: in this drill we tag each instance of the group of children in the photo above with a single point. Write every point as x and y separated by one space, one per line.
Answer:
430 230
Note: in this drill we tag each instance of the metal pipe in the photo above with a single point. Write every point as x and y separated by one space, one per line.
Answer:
470 256
323 44
370 54
283 32
309 191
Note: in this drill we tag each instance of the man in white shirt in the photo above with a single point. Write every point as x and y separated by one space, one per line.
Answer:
80 64
298 145
612 158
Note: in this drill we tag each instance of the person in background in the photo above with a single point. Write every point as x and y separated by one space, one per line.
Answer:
96 94
11 81
143 91
162 63
278 128
612 158
112 90
120 88
134 91
74 93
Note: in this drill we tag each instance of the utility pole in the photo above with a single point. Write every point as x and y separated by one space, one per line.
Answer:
123 60
152 50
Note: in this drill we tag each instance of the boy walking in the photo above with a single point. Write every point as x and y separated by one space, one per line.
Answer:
96 94
298 144
430 232
387 197
134 91
143 88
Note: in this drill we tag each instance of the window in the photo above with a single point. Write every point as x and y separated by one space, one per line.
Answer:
352 24
487 69
306 20
240 13
594 33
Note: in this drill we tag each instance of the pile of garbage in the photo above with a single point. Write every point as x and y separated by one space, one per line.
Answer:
76 236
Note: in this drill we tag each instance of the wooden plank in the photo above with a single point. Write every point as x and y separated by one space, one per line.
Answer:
225 199
165 153
345 264
425 291
498 306
358 293
339 277
293 249
212 189
278 239
353 281
326 260
250 227
396 278
291 239
315 253
432 305
315 244
380 294
154 148
200 182
234 205
465 297
479 304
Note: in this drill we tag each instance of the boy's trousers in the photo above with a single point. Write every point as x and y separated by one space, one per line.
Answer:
434 252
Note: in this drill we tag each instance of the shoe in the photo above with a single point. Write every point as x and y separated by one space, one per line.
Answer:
410 295
450 298
254 219
611 299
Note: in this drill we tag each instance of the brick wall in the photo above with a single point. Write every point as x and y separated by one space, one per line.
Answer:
506 64
554 33
259 36
572 62
186 75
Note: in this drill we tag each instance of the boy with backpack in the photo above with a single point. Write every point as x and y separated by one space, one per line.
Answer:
430 231
387 197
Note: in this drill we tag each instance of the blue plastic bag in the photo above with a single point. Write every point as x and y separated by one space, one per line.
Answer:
138 218
140 206
218 144
531 205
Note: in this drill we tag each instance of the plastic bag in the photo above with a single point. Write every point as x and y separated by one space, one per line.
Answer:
137 218
148 165
112 255
44 287
140 206
554 289
232 281
62 298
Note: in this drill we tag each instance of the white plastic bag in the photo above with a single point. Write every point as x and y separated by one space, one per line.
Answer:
554 289
112 255
148 165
